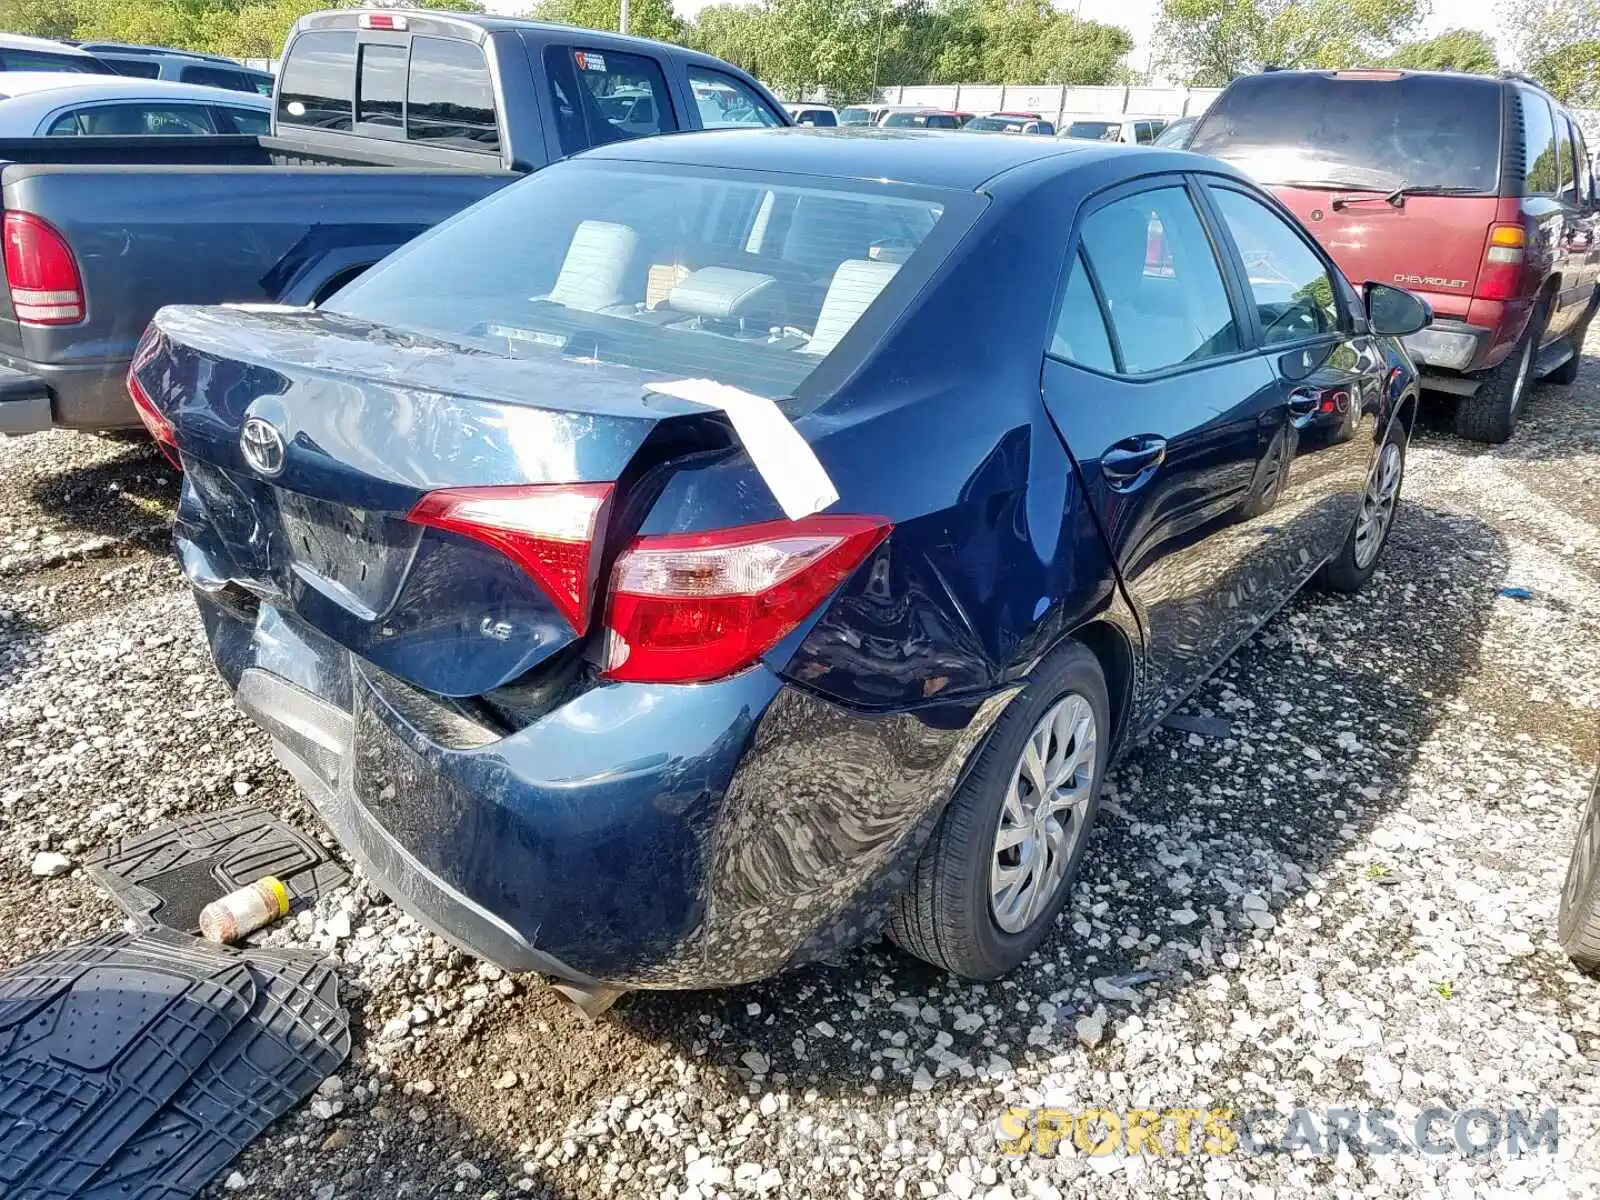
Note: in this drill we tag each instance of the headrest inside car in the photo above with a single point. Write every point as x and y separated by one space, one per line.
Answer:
723 293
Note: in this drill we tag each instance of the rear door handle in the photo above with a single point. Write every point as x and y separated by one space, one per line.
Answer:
1133 457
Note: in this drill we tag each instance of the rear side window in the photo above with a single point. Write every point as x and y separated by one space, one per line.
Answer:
1292 290
1359 130
606 97
450 97
691 272
1080 335
381 84
219 77
724 102
319 81
1585 179
43 60
135 67
150 117
1538 145
1566 169
1160 280
247 120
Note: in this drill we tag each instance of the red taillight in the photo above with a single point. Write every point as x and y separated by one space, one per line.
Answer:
41 272
551 531
687 608
1505 257
154 420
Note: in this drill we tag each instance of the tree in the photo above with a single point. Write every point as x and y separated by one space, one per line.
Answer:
1209 42
646 18
1453 50
1558 43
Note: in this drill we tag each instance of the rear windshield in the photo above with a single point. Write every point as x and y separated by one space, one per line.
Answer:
688 272
855 116
1321 130
997 124
1094 130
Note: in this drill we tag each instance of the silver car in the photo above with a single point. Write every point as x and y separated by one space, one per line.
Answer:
55 104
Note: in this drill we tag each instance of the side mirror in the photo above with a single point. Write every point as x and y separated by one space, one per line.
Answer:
1394 311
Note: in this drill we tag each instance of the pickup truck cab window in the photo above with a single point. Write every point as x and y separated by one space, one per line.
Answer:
449 95
318 86
725 103
381 84
606 96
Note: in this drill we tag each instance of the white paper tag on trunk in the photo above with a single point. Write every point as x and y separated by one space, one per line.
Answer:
785 459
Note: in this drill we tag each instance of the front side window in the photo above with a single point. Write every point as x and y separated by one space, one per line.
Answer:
136 67
1160 280
1581 158
449 96
319 81
1538 145
248 120
688 272
152 117
381 84
603 97
1566 169
1080 335
726 103
1293 293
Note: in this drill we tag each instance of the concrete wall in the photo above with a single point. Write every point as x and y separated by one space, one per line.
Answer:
1056 102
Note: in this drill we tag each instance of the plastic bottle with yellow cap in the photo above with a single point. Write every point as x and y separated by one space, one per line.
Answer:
244 911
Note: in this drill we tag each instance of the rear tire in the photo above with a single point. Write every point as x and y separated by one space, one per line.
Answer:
969 907
1357 560
1578 926
1491 414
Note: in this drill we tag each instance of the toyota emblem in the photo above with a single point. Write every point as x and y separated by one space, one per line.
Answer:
262 446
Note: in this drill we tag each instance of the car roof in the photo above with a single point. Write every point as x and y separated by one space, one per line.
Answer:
51 87
914 156
21 41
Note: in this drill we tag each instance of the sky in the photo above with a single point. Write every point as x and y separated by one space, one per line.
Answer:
1139 17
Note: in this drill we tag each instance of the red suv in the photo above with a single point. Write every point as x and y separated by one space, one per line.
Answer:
1474 192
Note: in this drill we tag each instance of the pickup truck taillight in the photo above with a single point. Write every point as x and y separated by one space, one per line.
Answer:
46 288
687 608
1505 257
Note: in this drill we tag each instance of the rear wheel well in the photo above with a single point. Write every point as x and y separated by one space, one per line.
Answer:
1110 646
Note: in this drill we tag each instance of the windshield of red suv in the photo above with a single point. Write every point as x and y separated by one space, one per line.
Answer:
1372 130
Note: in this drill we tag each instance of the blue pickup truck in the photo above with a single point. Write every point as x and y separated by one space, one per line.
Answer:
384 123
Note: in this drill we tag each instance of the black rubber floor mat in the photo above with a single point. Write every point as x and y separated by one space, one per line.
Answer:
295 1037
168 875
95 1039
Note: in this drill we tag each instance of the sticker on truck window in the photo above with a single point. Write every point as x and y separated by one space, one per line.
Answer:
588 60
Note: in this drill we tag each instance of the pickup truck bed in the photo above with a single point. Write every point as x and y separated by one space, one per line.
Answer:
149 221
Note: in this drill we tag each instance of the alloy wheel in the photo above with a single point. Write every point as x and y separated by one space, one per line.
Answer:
1043 817
1378 505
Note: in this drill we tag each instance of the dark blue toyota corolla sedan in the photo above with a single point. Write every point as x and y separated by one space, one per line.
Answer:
602 671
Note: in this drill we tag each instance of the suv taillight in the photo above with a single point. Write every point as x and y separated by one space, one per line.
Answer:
551 531
1505 257
687 608
46 288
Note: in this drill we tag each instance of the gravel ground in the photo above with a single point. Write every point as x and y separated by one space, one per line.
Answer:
1348 902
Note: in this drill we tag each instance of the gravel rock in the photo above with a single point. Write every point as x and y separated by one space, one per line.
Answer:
47 864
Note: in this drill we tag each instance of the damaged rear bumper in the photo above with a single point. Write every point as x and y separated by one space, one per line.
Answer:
634 836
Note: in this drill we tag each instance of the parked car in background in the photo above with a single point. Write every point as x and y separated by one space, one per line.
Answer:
819 115
1474 191
862 114
1177 134
1127 130
181 66
49 104
549 655
926 118
21 53
1011 123
386 122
